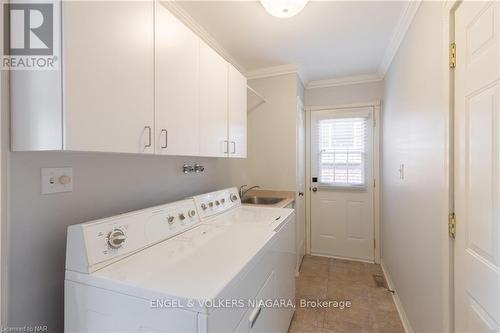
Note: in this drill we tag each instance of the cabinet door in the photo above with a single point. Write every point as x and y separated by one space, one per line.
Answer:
108 76
177 86
237 113
213 103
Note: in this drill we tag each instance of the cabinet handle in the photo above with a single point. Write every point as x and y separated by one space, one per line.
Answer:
234 147
226 143
166 138
149 136
254 316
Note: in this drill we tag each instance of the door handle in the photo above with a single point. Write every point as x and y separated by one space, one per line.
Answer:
301 194
149 136
315 189
166 138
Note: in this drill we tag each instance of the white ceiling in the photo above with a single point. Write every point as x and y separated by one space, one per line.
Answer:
328 39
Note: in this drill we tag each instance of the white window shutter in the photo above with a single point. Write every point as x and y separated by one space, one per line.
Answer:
342 152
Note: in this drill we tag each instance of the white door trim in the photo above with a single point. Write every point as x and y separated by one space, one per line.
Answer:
301 242
448 193
376 168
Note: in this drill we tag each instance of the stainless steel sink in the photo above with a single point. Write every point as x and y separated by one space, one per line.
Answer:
255 200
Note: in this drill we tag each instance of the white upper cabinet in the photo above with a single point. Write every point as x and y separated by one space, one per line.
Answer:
213 103
108 76
177 86
133 79
237 113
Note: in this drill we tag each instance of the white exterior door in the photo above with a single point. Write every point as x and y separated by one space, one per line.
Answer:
477 167
342 223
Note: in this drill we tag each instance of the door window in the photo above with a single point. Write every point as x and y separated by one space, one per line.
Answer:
342 152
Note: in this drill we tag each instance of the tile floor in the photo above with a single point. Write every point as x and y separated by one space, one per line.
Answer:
372 309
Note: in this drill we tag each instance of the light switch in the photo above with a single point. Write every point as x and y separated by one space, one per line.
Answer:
401 171
57 180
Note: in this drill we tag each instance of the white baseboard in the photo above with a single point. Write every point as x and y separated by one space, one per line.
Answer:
397 301
297 269
342 258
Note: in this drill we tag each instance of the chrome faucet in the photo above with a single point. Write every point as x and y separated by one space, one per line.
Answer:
243 191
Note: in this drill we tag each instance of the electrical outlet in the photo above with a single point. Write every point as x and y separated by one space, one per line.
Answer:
57 180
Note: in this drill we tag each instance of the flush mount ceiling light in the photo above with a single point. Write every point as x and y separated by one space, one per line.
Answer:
284 8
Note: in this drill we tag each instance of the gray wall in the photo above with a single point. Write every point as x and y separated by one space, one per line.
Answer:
272 129
414 237
104 185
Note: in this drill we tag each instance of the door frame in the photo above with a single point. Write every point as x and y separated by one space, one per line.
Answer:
300 224
448 251
376 168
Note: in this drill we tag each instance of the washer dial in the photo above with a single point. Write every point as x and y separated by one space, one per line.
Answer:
116 238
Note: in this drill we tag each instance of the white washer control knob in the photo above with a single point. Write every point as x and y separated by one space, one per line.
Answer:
203 206
210 204
234 197
181 216
116 238
170 219
222 200
217 202
192 213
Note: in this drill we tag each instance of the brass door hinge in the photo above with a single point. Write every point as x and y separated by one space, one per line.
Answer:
453 55
452 225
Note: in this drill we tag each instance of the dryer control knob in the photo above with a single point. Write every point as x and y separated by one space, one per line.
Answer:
192 213
181 216
116 238
203 206
234 197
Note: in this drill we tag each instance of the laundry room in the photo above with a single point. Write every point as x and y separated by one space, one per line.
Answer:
284 166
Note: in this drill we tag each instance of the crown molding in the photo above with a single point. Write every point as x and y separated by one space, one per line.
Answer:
404 22
272 71
176 9
278 70
345 81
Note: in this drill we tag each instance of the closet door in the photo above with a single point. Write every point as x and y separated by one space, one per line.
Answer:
213 103
237 113
177 86
108 76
